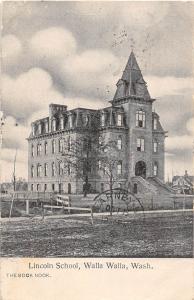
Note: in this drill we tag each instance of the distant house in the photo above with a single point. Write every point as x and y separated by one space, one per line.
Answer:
183 184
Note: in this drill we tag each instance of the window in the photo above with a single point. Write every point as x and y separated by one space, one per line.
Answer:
140 144
53 146
69 143
60 168
54 125
32 171
102 187
155 123
103 119
155 169
155 147
38 187
39 149
140 118
46 127
119 120
39 170
61 123
45 169
119 168
53 187
60 145
69 169
45 148
70 121
32 149
39 128
53 168
119 143
45 187
32 187
33 130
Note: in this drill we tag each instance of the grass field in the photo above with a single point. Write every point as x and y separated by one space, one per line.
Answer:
161 235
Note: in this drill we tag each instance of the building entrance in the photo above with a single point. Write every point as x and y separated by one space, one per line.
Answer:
140 169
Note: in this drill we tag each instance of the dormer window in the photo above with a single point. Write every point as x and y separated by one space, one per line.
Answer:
103 119
61 123
155 123
39 128
33 130
140 118
54 125
46 127
70 121
119 120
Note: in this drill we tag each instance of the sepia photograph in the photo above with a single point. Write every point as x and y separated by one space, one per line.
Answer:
97 130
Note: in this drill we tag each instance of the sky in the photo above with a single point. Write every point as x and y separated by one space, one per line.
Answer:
73 53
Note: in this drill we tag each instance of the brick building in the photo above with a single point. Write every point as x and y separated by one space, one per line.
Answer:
129 120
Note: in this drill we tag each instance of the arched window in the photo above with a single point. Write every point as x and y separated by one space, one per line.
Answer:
39 170
119 143
46 148
53 168
39 149
53 146
140 118
60 168
119 168
155 146
32 171
45 169
155 168
140 144
32 149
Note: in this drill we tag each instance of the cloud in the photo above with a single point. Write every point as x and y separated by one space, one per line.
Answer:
190 126
11 49
53 42
183 142
168 85
28 92
14 135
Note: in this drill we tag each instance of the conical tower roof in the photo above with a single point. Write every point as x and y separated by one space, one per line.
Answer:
132 82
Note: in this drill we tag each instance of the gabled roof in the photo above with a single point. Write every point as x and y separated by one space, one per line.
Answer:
132 82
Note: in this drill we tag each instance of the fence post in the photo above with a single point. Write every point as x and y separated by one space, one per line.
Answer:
92 219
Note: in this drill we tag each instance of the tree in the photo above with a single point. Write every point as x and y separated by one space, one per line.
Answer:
111 165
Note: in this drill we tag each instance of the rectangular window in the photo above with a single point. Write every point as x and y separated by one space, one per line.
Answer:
54 125
39 128
60 168
38 187
140 118
119 168
119 143
69 169
155 147
155 123
32 171
53 187
45 187
140 144
155 169
61 123
70 121
119 120
32 187
103 119
46 127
